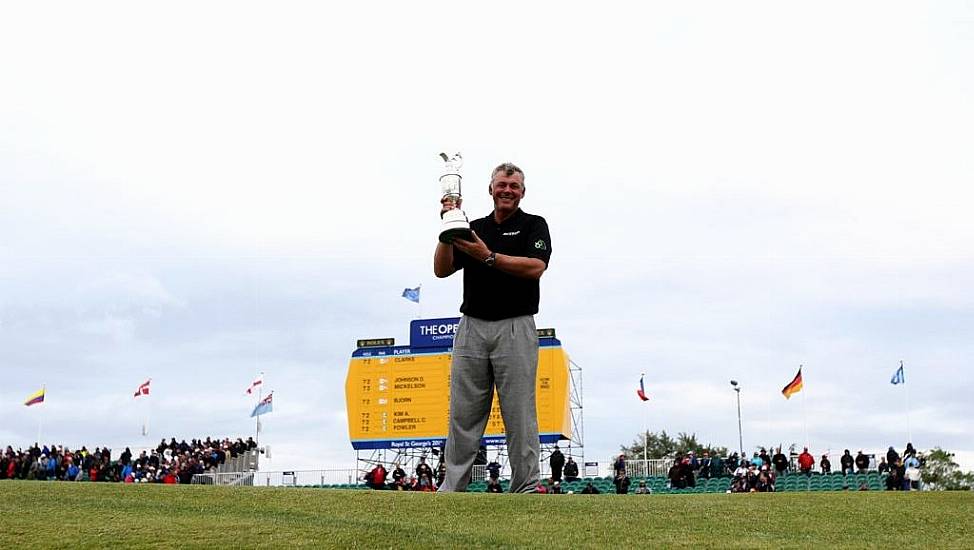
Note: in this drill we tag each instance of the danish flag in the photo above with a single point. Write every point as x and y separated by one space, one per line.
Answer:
143 389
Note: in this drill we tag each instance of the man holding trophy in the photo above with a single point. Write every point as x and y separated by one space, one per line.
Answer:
503 256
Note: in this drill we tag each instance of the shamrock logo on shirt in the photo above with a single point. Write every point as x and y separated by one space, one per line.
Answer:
540 244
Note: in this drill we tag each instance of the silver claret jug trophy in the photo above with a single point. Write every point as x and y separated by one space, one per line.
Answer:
455 223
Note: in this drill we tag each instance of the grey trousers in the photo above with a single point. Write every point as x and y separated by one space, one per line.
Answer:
489 354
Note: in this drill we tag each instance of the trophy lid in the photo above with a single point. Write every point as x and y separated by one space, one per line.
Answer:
453 163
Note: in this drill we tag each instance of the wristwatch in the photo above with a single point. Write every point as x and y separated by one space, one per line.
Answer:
490 260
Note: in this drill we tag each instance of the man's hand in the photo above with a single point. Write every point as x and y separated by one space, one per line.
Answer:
447 204
476 248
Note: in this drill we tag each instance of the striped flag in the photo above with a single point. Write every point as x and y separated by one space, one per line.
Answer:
143 388
36 397
899 377
266 405
794 386
641 392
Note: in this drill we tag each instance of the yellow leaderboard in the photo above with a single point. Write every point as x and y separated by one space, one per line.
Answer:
399 397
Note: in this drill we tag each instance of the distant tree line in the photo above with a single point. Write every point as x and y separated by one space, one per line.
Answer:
661 445
941 473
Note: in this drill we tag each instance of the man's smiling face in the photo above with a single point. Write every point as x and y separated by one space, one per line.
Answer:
507 191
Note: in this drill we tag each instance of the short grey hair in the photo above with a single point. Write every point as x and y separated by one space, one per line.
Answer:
509 169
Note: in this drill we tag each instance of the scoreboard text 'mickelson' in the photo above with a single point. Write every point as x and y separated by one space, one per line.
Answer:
409 383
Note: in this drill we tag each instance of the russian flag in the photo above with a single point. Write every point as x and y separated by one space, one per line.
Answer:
641 392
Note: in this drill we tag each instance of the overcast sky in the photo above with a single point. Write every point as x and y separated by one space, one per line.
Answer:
195 192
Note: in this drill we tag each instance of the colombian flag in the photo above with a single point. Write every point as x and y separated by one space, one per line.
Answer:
794 386
35 398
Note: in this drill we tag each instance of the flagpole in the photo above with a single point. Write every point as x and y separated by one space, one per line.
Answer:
260 395
645 440
148 413
645 429
40 416
804 407
909 433
145 415
260 388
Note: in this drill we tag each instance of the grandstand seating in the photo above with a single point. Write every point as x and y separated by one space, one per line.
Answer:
659 484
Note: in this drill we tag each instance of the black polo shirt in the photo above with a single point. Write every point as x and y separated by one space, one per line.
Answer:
491 294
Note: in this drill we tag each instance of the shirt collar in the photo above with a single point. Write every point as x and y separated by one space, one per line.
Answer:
517 215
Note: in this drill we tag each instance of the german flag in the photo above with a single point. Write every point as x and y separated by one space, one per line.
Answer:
794 386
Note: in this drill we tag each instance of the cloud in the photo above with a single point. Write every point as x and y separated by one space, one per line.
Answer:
720 208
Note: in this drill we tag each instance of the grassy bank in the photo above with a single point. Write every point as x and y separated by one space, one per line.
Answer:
100 515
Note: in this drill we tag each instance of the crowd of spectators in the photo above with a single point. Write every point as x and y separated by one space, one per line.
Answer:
903 472
751 478
425 479
758 473
422 478
170 462
755 475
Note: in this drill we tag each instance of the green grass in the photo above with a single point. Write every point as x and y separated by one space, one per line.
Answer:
85 515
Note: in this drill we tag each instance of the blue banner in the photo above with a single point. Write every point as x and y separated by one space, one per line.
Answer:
437 442
427 333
